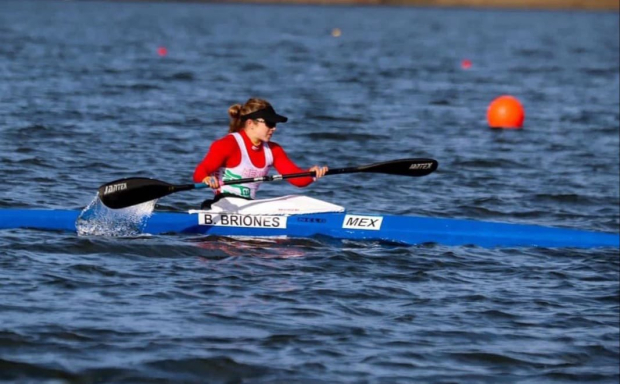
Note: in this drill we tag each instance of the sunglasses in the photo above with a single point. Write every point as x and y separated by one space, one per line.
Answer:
269 124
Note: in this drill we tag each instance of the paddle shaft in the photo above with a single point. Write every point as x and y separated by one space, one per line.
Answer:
270 178
336 171
131 191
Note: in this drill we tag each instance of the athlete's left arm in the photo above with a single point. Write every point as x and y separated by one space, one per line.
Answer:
284 165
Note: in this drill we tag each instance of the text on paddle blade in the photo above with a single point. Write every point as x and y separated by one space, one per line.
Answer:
421 166
114 188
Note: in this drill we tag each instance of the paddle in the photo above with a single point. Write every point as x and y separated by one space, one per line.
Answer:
136 190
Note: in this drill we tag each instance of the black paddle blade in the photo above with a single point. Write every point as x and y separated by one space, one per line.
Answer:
403 167
134 190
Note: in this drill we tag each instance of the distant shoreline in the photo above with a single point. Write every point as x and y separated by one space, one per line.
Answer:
602 5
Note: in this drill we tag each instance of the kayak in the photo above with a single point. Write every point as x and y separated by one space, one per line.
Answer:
409 230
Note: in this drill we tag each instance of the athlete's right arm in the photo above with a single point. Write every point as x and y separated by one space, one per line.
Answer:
216 158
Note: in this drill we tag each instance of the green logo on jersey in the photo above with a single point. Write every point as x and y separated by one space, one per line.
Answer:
243 191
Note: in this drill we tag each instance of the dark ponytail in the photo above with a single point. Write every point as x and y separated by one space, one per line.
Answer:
237 110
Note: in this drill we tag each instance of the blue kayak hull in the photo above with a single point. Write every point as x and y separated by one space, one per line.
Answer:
399 229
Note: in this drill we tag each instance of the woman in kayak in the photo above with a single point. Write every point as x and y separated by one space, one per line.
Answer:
248 152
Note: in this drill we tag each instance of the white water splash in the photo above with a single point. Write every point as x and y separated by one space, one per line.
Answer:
98 220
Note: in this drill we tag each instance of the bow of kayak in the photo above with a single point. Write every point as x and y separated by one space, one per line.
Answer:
341 225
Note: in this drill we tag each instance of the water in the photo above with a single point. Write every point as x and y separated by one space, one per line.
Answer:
85 99
98 220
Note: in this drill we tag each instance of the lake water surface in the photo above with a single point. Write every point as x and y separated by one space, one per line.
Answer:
85 99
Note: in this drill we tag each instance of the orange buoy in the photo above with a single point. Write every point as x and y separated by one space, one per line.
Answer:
506 112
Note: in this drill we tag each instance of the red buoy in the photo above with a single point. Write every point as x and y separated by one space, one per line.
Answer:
162 51
466 64
506 112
